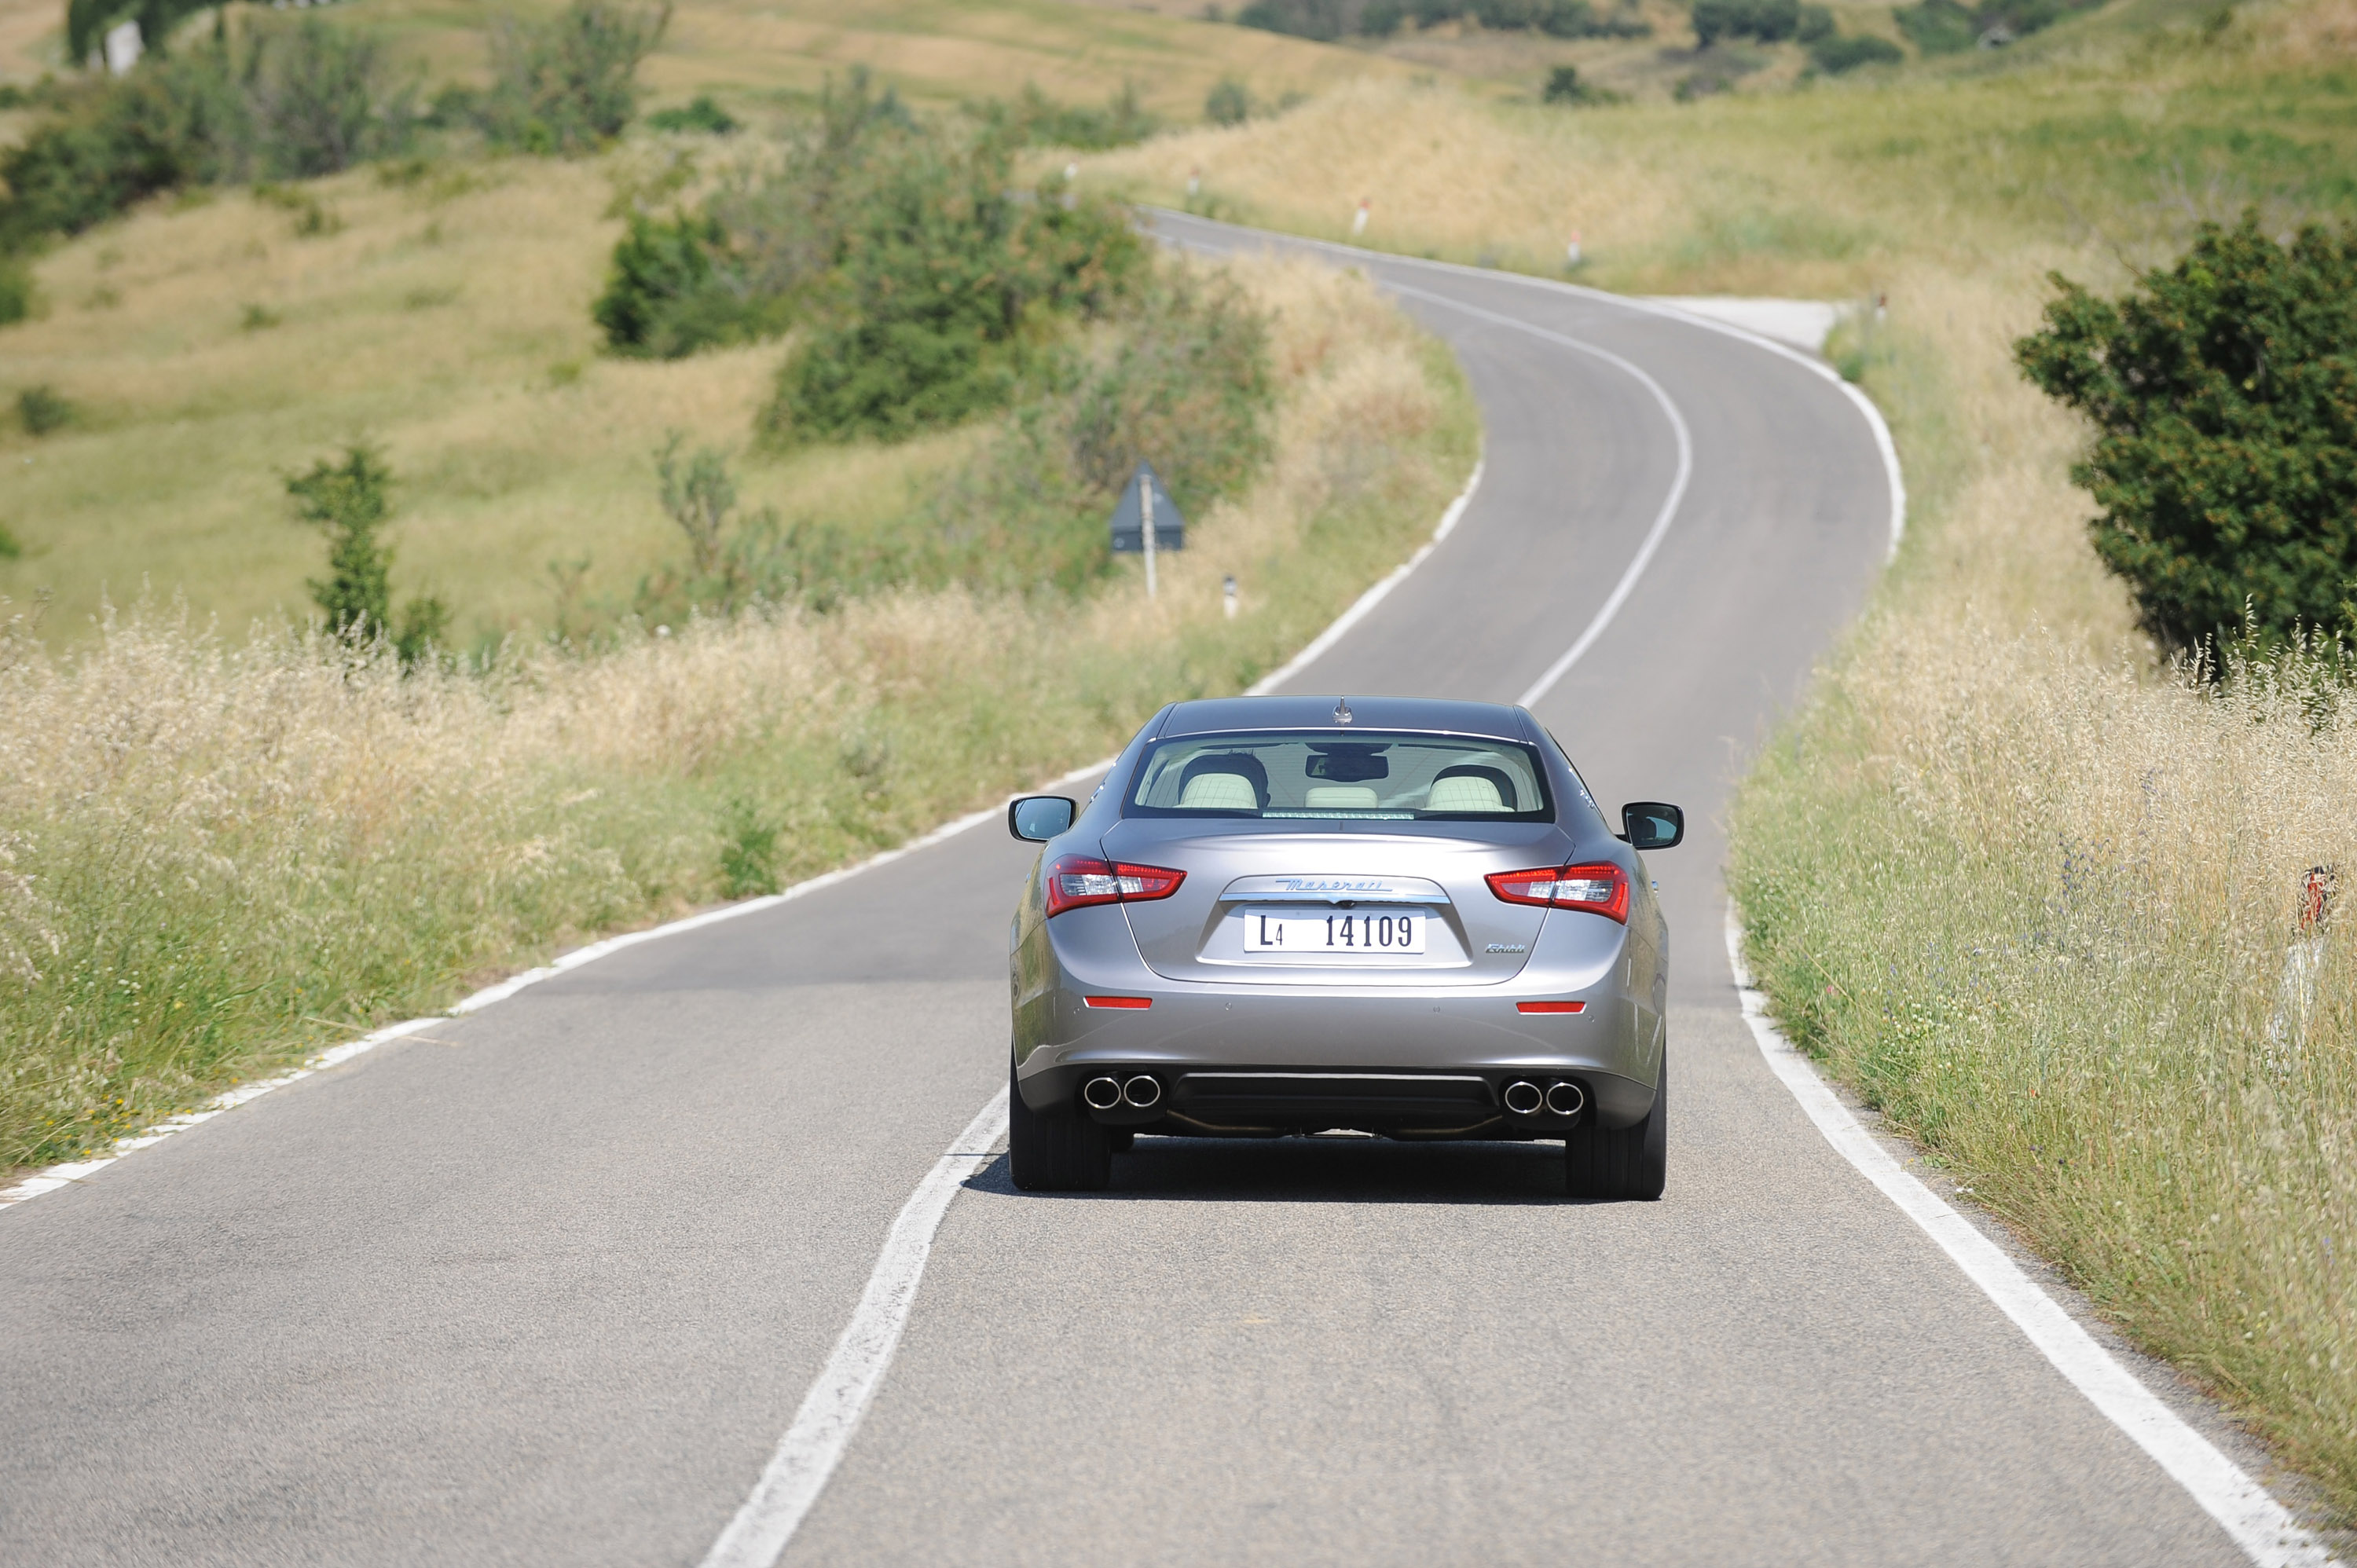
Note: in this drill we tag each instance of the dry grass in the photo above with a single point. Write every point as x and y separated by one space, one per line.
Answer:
934 51
449 322
215 853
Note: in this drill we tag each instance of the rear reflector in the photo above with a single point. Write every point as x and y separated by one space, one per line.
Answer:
1550 1006
1135 1001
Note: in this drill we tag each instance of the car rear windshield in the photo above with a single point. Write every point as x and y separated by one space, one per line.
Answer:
1373 776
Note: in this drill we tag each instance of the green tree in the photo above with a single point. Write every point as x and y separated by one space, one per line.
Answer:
1229 102
351 500
2223 396
569 84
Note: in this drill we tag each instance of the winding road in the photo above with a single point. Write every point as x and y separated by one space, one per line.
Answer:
546 1282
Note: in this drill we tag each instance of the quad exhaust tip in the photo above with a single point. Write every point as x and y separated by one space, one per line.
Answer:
1141 1090
1100 1093
1561 1098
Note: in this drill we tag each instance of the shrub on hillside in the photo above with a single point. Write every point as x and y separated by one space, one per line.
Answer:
2224 395
1556 18
568 84
17 292
941 286
701 113
1944 27
283 102
1837 55
1324 20
1938 27
1230 102
350 501
1034 119
674 289
1770 21
320 101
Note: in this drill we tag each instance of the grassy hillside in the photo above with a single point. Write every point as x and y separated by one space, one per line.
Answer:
207 346
210 349
215 854
934 51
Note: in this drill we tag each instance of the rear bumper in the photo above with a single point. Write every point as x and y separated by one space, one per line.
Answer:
1256 1059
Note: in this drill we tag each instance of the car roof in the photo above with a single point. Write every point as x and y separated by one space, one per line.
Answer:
1215 715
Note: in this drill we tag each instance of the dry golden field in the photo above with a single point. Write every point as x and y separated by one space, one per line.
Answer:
218 851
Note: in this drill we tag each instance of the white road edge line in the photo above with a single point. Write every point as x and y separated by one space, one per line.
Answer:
1875 422
1375 596
1662 518
2261 1526
831 1412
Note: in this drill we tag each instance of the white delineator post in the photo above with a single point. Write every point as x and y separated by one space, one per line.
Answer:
1145 524
1359 224
1227 596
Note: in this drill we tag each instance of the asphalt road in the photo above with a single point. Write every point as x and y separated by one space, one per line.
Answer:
544 1285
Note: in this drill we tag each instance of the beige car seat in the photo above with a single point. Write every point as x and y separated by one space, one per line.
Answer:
1347 796
1220 792
1464 792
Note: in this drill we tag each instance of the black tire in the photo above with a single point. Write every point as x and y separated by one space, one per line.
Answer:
1055 1151
1628 1162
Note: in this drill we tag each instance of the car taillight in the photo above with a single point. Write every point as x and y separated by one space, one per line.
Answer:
1076 881
1599 889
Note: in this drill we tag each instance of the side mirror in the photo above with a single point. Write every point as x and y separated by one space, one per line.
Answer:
1652 824
1038 818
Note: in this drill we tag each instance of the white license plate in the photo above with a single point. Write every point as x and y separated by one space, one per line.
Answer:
1325 933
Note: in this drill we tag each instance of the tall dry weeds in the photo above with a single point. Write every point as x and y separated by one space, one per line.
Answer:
215 853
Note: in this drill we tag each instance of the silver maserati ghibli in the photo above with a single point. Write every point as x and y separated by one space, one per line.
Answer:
1291 915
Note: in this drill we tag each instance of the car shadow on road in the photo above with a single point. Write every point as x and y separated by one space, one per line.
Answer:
1317 1170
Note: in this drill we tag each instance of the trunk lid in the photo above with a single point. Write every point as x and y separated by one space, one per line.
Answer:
1234 868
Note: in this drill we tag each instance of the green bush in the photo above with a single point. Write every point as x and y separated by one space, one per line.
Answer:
945 288
751 261
1229 102
40 410
673 291
17 291
10 550
1938 27
1381 18
351 501
1817 24
1837 55
1770 21
1324 20
569 84
1034 119
320 102
285 101
88 22
2223 396
699 115
1564 86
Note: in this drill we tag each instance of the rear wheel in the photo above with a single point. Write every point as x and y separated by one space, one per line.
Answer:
1626 1162
1055 1151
